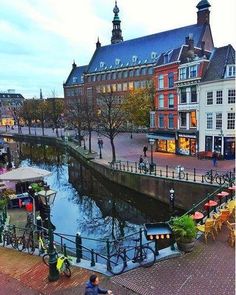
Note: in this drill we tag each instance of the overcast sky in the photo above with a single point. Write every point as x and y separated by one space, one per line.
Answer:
39 39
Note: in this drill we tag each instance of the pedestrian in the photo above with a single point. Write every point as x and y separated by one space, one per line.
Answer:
145 151
214 158
92 287
141 162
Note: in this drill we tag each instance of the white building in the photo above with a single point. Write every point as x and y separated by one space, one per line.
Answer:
217 104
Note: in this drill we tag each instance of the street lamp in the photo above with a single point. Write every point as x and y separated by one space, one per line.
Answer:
172 200
100 147
151 141
47 197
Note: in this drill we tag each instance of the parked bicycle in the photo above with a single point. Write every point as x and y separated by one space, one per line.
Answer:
212 176
63 264
26 241
143 254
9 237
180 171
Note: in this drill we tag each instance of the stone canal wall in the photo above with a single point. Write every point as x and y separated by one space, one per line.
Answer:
187 193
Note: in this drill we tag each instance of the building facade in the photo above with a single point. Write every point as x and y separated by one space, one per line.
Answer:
217 104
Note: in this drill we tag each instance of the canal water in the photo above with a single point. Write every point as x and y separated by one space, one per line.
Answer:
87 203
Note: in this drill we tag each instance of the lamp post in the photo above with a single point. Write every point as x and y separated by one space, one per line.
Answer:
100 147
47 197
172 200
222 142
151 141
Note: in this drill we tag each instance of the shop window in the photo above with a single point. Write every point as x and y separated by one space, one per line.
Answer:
171 80
231 96
162 146
161 101
218 120
193 94
217 143
219 97
184 145
209 97
183 95
171 146
208 143
183 74
183 120
160 82
161 121
209 120
193 119
231 121
171 121
171 101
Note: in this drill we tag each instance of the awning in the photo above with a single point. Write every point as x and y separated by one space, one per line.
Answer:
25 174
161 137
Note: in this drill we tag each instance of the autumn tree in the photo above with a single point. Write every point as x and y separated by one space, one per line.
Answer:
111 117
28 114
56 109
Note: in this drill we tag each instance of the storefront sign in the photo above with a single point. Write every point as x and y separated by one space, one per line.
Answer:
187 135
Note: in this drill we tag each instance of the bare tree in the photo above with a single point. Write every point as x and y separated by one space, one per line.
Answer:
111 117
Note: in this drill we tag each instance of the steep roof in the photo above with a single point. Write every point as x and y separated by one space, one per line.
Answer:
9 95
76 76
143 48
220 58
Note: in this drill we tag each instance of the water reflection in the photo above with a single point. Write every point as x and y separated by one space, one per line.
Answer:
86 202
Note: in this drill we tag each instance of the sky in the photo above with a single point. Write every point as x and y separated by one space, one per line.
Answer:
39 39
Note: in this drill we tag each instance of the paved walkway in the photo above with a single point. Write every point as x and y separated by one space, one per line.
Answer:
208 270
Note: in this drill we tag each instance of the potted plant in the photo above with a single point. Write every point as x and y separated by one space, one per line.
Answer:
3 202
184 230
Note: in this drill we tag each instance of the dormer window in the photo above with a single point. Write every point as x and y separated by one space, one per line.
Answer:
231 71
117 61
134 58
74 79
102 64
153 55
82 79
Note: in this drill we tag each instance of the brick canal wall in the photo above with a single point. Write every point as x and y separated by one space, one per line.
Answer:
187 193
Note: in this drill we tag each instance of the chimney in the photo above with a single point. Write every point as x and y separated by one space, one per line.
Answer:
98 44
74 65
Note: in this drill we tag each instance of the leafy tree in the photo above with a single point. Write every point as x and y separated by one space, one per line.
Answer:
111 117
56 108
28 114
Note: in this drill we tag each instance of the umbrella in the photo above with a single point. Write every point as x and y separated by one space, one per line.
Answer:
25 174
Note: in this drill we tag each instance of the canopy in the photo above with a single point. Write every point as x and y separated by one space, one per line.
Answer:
25 174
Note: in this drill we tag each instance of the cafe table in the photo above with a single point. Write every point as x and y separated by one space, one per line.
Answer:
209 205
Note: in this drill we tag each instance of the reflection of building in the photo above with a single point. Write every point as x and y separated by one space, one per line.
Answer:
9 101
217 104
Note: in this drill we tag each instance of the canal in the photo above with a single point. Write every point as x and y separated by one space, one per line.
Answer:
85 202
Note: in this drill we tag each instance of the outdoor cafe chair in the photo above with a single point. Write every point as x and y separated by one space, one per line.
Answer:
225 213
217 224
207 229
232 233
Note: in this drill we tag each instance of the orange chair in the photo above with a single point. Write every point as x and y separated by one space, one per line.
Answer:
232 233
218 223
225 213
207 229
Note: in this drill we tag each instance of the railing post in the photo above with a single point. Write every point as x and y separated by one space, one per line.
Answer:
155 170
92 258
156 247
194 174
64 250
173 174
160 173
108 256
78 244
202 178
62 244
187 176
127 165
211 176
131 169
140 238
1 228
166 171
120 165
135 167
125 260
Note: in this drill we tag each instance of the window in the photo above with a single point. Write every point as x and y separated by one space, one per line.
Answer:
218 120
131 73
144 71
231 96
193 119
103 77
231 121
119 87
231 71
143 84
137 72
152 119
193 71
166 58
134 58
136 84
102 64
209 120
171 121
183 120
125 86
99 77
161 82
171 80
113 87
108 88
74 79
150 71
114 75
219 97
161 101
125 74
183 95
209 97
119 75
131 85
171 101
193 94
183 74
161 121
117 61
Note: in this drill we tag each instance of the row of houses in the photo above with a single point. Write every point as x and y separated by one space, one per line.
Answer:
194 83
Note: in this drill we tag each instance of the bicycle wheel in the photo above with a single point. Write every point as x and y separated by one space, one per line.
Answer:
148 257
14 242
21 244
208 177
220 179
31 247
67 271
46 259
181 175
117 264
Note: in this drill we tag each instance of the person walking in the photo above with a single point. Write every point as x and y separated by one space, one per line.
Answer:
214 158
145 151
92 287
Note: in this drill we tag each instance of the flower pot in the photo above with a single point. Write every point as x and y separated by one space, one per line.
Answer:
186 246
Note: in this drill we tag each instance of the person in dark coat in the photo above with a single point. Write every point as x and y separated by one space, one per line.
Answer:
92 287
214 158
145 151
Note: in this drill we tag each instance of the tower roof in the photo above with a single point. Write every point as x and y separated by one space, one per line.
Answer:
203 4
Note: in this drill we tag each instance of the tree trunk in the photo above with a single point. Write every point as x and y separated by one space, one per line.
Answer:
29 129
113 150
90 138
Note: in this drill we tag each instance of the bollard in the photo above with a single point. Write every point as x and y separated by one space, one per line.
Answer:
166 171
211 176
194 174
173 174
64 250
92 258
202 178
108 256
131 169
78 243
136 170
187 176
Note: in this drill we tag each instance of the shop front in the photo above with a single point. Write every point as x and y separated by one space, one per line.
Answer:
229 148
187 144
164 142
